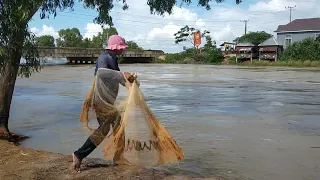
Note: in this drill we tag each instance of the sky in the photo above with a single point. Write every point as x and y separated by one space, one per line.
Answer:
224 20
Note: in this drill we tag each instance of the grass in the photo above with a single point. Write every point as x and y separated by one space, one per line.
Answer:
186 60
306 63
232 61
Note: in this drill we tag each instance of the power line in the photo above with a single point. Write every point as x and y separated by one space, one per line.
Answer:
147 23
146 17
245 26
143 23
290 9
267 23
196 6
153 22
159 17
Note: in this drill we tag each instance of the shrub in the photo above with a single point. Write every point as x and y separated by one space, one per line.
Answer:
299 51
189 56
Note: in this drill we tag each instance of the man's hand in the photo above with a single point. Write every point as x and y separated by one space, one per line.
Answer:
130 76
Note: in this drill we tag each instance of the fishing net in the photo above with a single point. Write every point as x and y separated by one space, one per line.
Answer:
128 130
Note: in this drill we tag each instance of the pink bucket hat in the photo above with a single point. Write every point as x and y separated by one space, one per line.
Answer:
116 42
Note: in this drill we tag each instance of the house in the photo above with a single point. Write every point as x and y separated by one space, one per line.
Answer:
298 30
242 46
269 49
246 51
228 46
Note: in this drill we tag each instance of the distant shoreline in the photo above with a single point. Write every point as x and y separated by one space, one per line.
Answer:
255 63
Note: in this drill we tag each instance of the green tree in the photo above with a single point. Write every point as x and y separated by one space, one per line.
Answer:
17 41
96 42
133 45
100 39
69 38
209 44
45 40
236 40
211 53
254 37
86 43
186 34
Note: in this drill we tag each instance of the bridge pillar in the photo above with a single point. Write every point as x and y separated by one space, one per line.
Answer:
138 60
81 60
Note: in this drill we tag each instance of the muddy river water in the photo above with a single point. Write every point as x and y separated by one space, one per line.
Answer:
236 122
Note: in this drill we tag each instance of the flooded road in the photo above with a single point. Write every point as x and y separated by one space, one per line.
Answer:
237 122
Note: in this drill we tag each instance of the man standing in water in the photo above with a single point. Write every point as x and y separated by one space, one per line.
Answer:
108 60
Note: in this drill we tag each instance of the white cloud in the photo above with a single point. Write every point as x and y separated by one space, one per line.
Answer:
166 32
182 14
92 30
200 23
46 30
225 34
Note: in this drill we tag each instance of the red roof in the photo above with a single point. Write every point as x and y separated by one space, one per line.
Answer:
243 47
312 24
268 48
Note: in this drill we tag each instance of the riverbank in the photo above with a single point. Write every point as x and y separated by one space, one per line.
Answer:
232 61
17 137
24 163
306 63
302 64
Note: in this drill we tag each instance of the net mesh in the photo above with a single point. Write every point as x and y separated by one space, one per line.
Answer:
128 130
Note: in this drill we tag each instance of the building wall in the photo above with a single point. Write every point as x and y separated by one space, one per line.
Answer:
295 36
223 48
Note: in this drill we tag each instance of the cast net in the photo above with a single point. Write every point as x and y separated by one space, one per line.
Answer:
128 130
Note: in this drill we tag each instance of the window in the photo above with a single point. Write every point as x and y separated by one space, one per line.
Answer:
317 36
288 40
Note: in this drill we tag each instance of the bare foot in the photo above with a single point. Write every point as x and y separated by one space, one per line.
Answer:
76 163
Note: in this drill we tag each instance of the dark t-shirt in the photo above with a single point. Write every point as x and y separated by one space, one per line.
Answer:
110 61
108 82
107 60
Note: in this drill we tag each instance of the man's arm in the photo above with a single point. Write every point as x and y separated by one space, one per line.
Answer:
106 74
122 79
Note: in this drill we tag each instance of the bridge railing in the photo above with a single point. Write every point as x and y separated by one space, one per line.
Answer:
92 52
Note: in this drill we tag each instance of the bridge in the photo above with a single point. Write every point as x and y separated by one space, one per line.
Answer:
90 55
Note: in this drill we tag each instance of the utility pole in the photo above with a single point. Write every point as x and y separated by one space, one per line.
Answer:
290 9
245 26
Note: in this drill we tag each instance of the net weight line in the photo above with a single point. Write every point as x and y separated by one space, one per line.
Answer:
137 145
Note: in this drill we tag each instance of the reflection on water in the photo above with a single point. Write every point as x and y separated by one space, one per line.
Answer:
257 123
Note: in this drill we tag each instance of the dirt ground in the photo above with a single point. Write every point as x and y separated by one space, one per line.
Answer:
24 163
